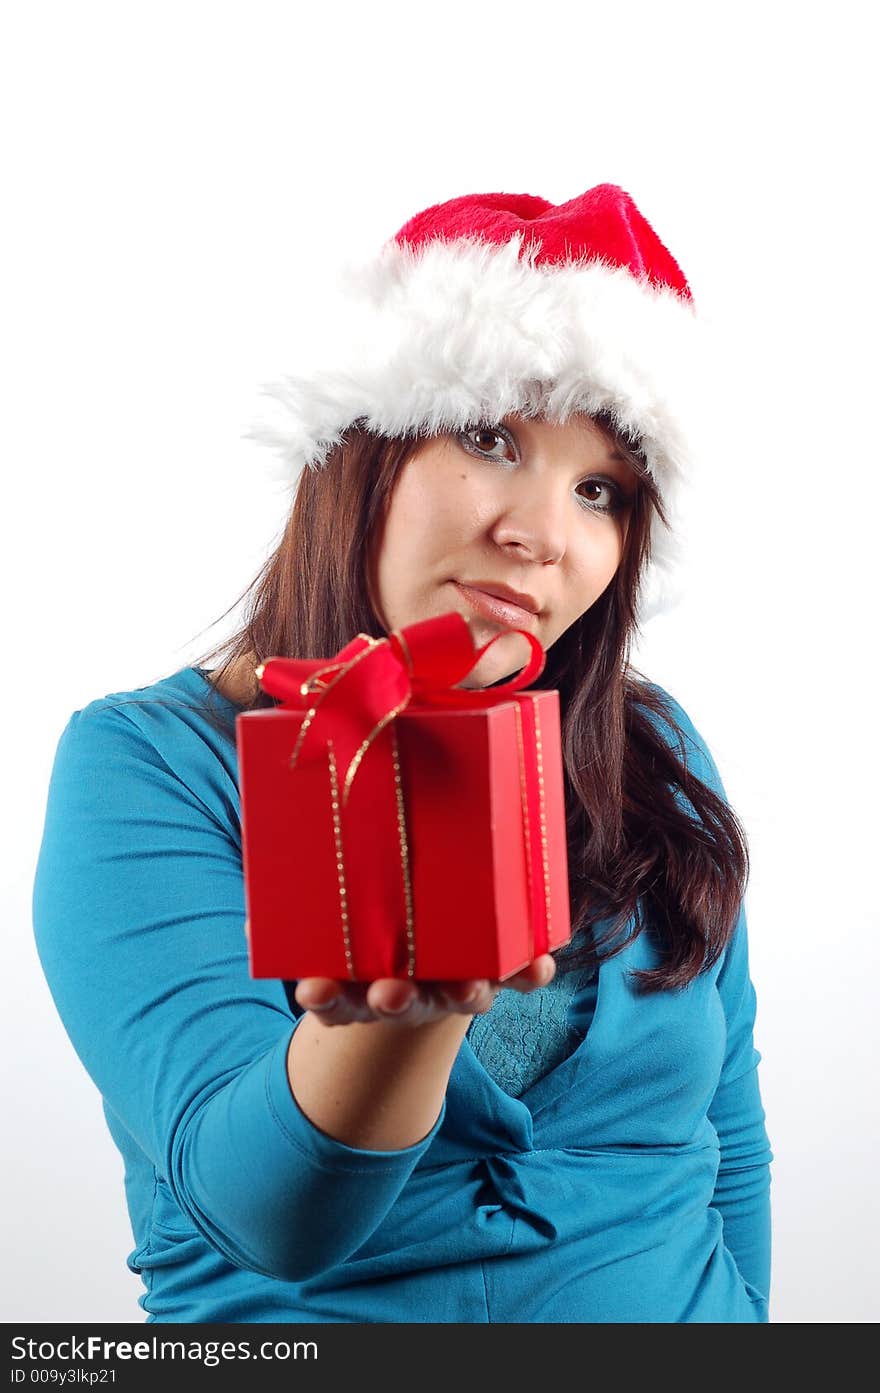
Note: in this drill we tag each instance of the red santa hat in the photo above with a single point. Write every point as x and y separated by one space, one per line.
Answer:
496 303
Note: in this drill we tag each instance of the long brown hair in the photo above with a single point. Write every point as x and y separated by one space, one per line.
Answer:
636 858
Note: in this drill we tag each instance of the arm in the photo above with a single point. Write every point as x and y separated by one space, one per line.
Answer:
742 1189
374 1084
138 914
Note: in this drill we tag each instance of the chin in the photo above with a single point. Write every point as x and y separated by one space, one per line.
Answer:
507 656
482 675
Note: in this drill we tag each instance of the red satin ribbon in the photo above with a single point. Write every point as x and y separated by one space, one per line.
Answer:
369 679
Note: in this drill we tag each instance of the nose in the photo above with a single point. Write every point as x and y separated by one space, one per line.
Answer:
532 517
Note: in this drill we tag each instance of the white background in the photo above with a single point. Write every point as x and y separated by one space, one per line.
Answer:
173 176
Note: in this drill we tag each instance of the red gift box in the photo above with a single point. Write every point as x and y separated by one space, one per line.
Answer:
395 825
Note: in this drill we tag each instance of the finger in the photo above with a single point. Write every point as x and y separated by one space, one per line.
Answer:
391 996
346 1006
538 974
485 999
317 993
473 997
343 1011
464 993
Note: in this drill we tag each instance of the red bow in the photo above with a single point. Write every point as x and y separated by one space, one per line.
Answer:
351 699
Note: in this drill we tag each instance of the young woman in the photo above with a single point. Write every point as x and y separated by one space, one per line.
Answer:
500 429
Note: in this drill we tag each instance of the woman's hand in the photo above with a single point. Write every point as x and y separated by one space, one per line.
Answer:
411 1003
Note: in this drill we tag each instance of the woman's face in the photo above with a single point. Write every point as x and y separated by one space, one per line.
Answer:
537 507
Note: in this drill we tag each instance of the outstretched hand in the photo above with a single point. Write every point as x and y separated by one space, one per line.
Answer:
410 1003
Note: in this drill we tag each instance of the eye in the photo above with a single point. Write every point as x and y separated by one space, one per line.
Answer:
618 498
474 437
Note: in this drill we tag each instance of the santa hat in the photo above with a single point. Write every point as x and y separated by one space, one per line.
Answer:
496 303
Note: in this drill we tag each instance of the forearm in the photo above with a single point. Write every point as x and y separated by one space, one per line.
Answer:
742 1187
269 1190
743 1200
374 1085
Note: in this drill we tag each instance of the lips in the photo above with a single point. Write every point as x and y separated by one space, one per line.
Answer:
502 591
502 611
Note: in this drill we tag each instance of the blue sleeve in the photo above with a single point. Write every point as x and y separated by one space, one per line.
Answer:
138 911
742 1189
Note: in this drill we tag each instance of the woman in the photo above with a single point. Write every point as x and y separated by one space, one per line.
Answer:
503 412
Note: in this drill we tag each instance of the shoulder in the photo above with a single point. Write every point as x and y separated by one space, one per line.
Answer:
186 699
186 688
175 735
124 720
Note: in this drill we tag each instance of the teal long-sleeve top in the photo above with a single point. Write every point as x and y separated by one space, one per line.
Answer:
614 1168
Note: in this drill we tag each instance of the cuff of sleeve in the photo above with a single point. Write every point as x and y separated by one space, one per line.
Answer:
320 1147
760 1304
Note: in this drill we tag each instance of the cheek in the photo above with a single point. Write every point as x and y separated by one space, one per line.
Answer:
411 540
431 512
599 556
593 569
